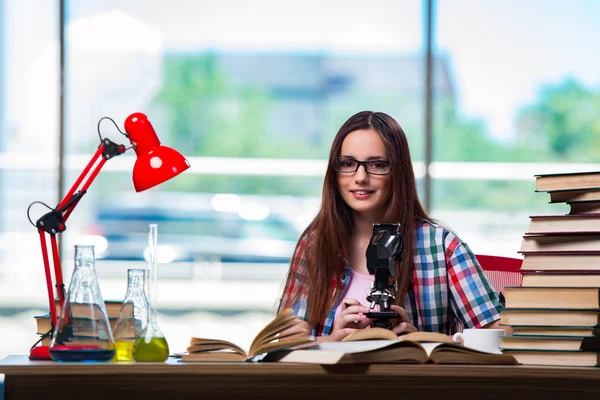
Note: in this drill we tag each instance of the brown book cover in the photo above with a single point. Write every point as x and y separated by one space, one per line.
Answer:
515 342
113 307
574 358
561 244
552 331
44 323
570 278
378 345
572 196
564 224
567 181
552 297
560 262
584 207
550 317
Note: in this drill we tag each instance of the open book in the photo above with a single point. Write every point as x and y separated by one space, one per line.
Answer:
378 345
276 335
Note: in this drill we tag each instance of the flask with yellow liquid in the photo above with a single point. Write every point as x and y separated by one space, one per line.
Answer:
133 316
151 345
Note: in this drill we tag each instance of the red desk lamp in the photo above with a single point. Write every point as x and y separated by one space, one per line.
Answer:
155 164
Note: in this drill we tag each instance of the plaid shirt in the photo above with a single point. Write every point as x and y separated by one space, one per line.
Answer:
448 285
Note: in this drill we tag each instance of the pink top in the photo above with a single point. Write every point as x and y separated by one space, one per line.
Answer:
359 288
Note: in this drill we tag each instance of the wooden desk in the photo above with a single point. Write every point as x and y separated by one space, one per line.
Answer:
174 380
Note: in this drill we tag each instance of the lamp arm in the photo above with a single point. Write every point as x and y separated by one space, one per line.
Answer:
54 221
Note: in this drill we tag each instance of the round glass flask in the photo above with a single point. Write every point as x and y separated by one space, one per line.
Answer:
83 331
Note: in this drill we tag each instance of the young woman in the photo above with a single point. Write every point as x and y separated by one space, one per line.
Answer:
369 180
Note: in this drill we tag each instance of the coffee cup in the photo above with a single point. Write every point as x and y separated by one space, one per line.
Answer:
487 340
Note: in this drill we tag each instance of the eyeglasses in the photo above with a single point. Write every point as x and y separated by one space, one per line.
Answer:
373 167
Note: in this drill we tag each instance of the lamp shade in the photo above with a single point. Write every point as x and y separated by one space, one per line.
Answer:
155 163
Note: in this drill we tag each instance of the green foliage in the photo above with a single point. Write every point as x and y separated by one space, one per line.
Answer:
565 122
457 138
209 116
562 126
496 195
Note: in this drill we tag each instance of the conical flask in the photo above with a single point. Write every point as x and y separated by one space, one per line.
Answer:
83 332
152 346
133 316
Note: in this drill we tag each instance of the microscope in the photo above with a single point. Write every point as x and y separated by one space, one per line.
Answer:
384 249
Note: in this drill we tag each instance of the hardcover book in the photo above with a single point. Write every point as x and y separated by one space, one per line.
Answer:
543 316
280 333
560 262
553 331
552 297
576 358
584 207
113 307
561 224
513 342
44 323
565 244
570 278
567 181
373 345
571 196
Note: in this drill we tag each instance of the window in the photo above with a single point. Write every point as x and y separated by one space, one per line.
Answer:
252 94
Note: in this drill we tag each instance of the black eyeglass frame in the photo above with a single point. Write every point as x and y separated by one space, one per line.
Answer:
358 164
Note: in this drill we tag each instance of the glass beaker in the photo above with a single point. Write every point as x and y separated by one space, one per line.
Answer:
133 316
152 346
83 331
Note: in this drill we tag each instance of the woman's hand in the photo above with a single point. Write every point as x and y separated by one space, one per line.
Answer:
351 318
401 325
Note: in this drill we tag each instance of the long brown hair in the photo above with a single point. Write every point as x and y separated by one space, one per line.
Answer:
328 235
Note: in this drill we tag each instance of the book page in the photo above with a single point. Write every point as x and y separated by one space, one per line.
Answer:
313 357
292 341
386 334
432 337
357 346
270 338
213 356
358 352
203 345
370 334
278 334
281 322
430 347
275 332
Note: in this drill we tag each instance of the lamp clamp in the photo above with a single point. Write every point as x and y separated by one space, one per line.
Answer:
111 149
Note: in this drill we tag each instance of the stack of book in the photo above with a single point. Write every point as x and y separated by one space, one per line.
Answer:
555 314
44 322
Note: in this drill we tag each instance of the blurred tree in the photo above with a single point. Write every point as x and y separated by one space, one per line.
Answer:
209 117
457 138
565 122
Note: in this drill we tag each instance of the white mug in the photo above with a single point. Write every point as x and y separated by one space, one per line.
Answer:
487 340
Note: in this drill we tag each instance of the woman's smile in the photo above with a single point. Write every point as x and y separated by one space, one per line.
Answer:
362 194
